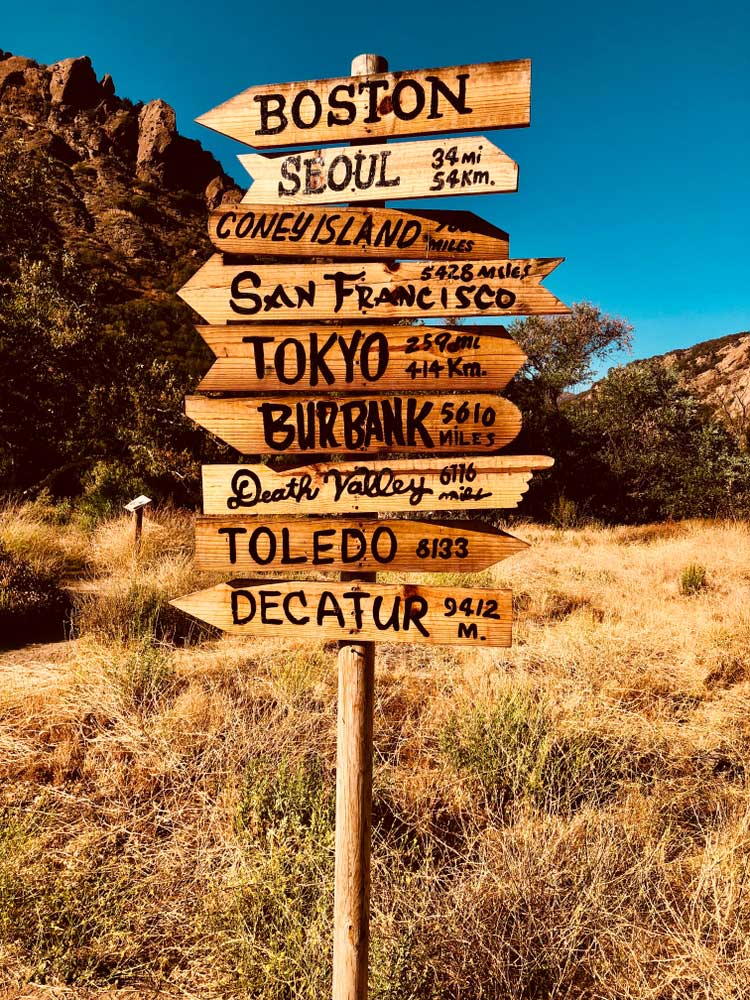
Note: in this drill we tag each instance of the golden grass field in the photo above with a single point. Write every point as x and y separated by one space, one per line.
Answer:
568 818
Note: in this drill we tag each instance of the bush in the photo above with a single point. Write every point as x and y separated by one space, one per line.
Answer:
692 579
32 604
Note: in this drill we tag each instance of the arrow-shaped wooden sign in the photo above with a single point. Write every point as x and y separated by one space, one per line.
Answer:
419 102
257 358
250 545
368 424
357 232
231 293
388 612
469 165
370 486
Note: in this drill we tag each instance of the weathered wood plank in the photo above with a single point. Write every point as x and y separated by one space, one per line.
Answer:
354 233
368 486
428 169
387 612
413 102
254 358
231 293
251 545
368 425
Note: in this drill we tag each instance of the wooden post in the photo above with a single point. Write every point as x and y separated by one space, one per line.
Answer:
138 528
356 700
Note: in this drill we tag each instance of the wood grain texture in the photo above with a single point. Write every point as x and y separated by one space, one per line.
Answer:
255 358
365 425
308 610
487 96
427 169
360 232
231 293
398 485
250 545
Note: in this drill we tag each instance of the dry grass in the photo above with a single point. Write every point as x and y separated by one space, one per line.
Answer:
568 818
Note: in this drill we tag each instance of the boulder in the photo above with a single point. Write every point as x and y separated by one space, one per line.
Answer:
73 82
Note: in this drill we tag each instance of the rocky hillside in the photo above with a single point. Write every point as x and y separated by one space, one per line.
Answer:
122 188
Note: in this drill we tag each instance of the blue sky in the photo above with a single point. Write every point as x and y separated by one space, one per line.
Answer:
635 167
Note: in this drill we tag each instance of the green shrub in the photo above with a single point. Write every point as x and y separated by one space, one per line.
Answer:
693 579
32 604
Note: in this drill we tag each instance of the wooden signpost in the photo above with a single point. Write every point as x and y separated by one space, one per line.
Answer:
485 482
427 169
357 233
310 362
376 290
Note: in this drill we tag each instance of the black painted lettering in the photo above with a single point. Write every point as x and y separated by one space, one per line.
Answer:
389 547
290 167
280 361
266 605
415 608
417 99
278 432
348 107
320 546
259 354
238 596
328 607
457 101
239 293
254 545
231 534
313 116
267 112
372 87
298 595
